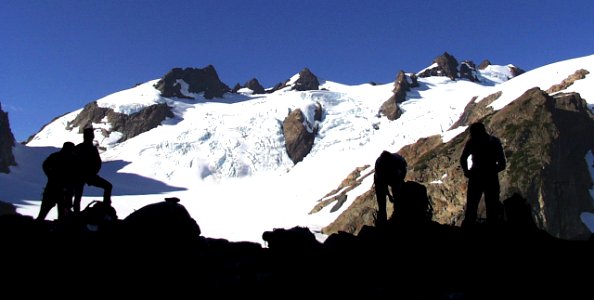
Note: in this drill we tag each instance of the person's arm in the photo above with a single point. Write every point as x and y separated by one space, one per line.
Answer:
380 194
464 159
501 162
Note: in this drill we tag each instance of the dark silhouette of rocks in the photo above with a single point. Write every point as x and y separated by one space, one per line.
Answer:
6 143
7 208
299 134
129 125
430 261
205 80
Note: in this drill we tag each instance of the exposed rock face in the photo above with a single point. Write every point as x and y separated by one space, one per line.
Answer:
475 111
447 65
129 125
484 64
254 85
545 165
468 70
516 71
6 143
277 87
198 80
299 134
579 74
390 108
307 81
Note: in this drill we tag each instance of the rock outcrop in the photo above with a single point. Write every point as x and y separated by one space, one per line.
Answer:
6 143
128 125
299 133
205 80
447 66
307 81
252 84
390 107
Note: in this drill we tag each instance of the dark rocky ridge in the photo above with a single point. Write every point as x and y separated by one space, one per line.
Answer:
205 80
307 81
6 143
253 84
129 125
427 262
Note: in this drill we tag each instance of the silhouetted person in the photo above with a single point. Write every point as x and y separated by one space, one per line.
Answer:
488 160
390 170
59 167
89 166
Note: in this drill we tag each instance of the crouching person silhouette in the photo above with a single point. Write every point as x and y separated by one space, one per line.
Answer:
390 170
59 167
89 166
488 159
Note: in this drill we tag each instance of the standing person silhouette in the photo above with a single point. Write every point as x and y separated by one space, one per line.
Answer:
390 170
59 167
488 159
90 164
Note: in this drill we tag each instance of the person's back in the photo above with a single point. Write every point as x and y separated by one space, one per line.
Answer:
89 157
59 167
390 171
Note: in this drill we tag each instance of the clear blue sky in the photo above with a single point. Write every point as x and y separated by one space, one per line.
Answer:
56 56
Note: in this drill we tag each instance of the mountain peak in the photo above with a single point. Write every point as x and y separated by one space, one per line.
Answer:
185 83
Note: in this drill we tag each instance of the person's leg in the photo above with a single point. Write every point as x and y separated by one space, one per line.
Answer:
473 197
47 202
78 192
493 205
65 203
104 184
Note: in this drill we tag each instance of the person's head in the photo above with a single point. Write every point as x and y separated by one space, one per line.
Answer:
88 134
68 147
477 130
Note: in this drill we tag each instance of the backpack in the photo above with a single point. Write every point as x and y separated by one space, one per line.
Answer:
98 213
412 205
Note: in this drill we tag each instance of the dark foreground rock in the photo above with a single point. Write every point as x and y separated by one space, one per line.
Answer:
430 261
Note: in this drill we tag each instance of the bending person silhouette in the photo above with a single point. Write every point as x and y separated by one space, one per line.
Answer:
59 167
90 164
390 170
488 160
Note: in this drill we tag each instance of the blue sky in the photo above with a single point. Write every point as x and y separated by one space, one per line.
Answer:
56 56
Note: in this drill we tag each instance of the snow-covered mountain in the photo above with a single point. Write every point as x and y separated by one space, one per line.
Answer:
226 158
